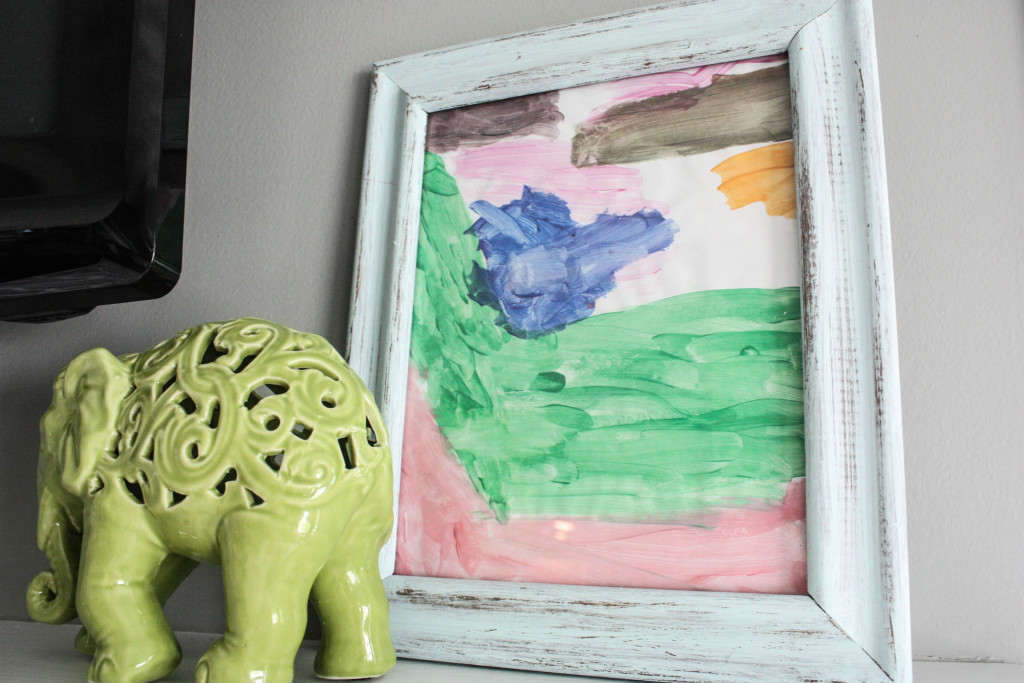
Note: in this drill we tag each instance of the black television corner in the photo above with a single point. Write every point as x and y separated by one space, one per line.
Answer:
94 100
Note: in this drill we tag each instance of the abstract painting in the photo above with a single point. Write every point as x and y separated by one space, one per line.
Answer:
606 383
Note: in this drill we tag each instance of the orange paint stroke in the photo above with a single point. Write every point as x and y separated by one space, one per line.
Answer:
764 175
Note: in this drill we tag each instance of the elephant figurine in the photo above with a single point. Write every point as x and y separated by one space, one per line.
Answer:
242 443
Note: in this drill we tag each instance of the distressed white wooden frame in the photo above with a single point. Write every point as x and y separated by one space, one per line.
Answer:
854 626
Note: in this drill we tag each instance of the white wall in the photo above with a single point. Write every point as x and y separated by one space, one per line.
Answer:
278 113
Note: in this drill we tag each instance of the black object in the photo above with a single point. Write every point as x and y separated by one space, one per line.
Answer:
94 98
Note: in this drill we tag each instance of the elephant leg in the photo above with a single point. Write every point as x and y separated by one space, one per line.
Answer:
117 599
350 600
173 570
268 565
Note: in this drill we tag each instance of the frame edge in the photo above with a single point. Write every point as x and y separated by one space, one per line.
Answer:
851 359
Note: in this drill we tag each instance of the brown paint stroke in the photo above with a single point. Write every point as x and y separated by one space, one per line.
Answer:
481 124
763 174
734 110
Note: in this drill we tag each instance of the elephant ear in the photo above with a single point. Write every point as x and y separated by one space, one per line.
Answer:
95 383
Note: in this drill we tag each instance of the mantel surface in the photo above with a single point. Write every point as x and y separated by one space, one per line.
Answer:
36 653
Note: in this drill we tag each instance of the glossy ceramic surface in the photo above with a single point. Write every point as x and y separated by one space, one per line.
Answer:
241 443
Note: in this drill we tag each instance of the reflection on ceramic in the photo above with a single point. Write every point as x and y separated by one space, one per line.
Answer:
242 443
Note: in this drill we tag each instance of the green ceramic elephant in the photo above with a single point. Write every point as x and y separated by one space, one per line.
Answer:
242 443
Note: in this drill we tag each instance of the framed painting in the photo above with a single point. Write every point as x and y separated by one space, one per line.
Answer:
623 291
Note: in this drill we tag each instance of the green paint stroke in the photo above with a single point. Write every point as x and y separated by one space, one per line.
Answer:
689 403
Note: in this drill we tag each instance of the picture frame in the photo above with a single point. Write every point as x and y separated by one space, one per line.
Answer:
854 624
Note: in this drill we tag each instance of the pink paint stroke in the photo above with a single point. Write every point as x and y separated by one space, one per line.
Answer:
446 530
654 85
497 173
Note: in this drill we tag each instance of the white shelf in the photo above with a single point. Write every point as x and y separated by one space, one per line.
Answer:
36 653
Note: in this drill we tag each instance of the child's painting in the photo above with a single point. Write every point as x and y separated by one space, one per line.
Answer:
606 383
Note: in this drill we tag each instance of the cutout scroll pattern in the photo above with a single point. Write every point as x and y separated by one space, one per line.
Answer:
246 404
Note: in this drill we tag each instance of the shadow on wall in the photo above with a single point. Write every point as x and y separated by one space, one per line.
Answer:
348 212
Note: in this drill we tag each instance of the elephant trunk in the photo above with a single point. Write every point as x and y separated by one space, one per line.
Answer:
51 594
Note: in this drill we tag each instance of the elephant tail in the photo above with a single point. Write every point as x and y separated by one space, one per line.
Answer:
51 594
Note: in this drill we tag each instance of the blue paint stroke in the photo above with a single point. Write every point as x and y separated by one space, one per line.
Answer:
544 270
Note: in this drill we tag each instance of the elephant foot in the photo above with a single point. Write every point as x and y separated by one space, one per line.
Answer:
349 677
347 668
147 664
224 663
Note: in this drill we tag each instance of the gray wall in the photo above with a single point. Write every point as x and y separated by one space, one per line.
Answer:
952 77
278 114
